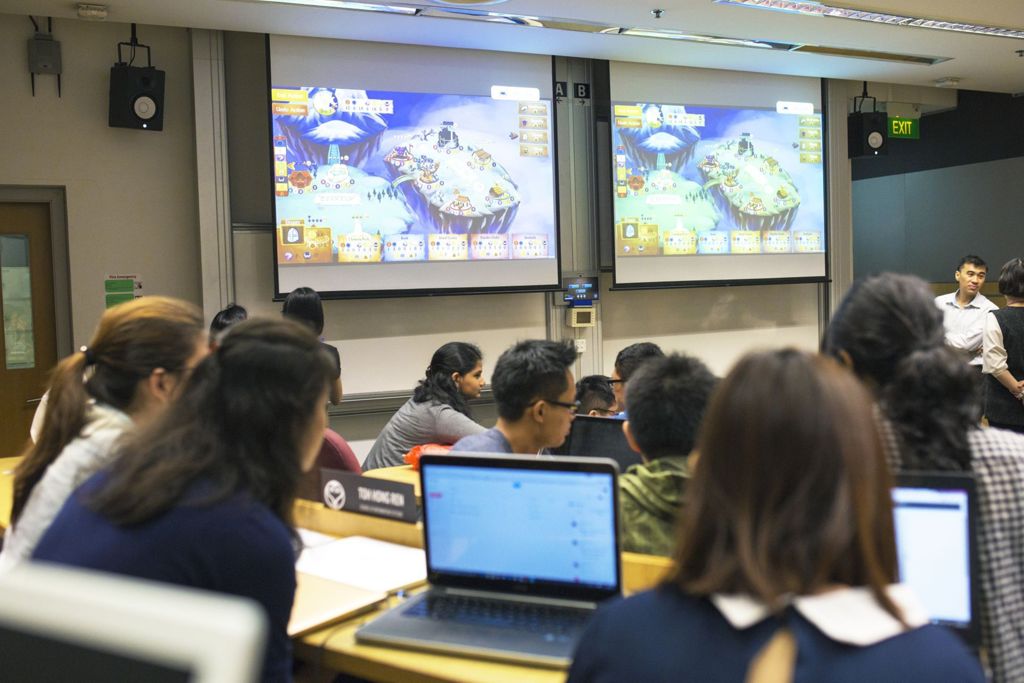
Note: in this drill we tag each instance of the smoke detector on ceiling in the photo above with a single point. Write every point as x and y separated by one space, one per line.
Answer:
92 12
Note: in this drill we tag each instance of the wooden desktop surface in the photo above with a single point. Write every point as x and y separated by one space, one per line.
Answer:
7 466
403 474
335 648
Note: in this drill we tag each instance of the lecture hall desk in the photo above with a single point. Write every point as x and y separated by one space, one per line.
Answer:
6 489
334 648
403 474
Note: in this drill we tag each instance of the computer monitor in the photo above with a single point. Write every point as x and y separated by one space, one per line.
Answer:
59 624
935 518
599 437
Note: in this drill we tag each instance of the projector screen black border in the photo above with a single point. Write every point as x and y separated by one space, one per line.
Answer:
554 286
727 282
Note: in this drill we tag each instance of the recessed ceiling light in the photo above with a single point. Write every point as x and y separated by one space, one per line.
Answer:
461 3
819 9
464 9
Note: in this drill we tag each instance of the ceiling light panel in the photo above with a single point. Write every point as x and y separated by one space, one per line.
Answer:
818 9
464 10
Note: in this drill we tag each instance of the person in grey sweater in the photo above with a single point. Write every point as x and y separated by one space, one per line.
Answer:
438 411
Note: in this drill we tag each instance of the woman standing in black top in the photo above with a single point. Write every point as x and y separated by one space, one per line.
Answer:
1003 354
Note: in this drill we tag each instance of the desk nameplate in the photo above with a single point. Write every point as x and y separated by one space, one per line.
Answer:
340 490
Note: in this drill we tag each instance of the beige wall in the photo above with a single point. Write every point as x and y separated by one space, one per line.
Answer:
131 205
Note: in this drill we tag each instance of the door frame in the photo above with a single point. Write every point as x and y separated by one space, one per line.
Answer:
55 198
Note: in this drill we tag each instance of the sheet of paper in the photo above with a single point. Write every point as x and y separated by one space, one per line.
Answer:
365 563
314 539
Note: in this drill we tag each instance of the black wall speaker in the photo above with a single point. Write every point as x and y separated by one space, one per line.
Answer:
136 97
868 133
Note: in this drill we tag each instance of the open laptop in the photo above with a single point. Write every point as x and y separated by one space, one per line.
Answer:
520 551
600 437
936 517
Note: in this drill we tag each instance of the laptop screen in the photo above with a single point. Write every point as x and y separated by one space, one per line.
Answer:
521 525
933 542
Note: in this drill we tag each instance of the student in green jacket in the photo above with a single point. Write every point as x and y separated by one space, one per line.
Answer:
665 401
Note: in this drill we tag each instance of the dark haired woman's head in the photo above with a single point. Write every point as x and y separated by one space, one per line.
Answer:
882 320
889 330
455 375
1011 279
137 361
304 304
791 494
250 420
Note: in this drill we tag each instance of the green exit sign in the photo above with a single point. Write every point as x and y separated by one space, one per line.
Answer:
904 128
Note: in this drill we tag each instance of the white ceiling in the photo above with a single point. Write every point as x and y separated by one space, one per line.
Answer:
982 63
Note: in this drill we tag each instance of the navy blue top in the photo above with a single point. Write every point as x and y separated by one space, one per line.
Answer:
664 635
236 546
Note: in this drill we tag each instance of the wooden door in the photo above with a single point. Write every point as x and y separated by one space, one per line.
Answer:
28 338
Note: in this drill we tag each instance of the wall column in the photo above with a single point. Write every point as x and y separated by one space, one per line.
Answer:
212 170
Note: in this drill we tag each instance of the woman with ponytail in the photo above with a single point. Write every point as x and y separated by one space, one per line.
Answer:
133 368
786 564
203 496
889 332
438 411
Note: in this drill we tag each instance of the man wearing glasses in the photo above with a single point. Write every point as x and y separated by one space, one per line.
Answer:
535 393
627 362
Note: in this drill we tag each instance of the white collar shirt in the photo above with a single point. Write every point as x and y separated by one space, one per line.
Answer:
846 615
964 326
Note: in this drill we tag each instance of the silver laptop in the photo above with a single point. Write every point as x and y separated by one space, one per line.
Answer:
520 551
935 516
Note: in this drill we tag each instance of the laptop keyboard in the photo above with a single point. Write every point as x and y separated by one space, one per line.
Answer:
477 611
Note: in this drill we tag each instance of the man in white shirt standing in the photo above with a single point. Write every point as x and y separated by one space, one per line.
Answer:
965 309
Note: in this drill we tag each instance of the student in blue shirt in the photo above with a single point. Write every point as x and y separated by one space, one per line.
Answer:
203 497
786 557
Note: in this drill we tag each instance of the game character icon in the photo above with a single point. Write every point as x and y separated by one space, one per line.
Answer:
745 146
324 101
447 138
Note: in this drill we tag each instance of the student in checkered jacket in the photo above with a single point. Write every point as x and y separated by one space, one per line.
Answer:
890 333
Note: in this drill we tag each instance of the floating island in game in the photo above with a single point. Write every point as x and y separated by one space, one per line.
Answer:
657 138
327 125
670 201
754 188
381 205
453 185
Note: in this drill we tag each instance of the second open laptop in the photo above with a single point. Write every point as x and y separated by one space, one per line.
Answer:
520 551
936 516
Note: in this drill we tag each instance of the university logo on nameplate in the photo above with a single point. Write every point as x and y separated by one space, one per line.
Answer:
341 490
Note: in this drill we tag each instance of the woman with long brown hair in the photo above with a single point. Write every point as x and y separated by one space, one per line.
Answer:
786 557
133 367
203 497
